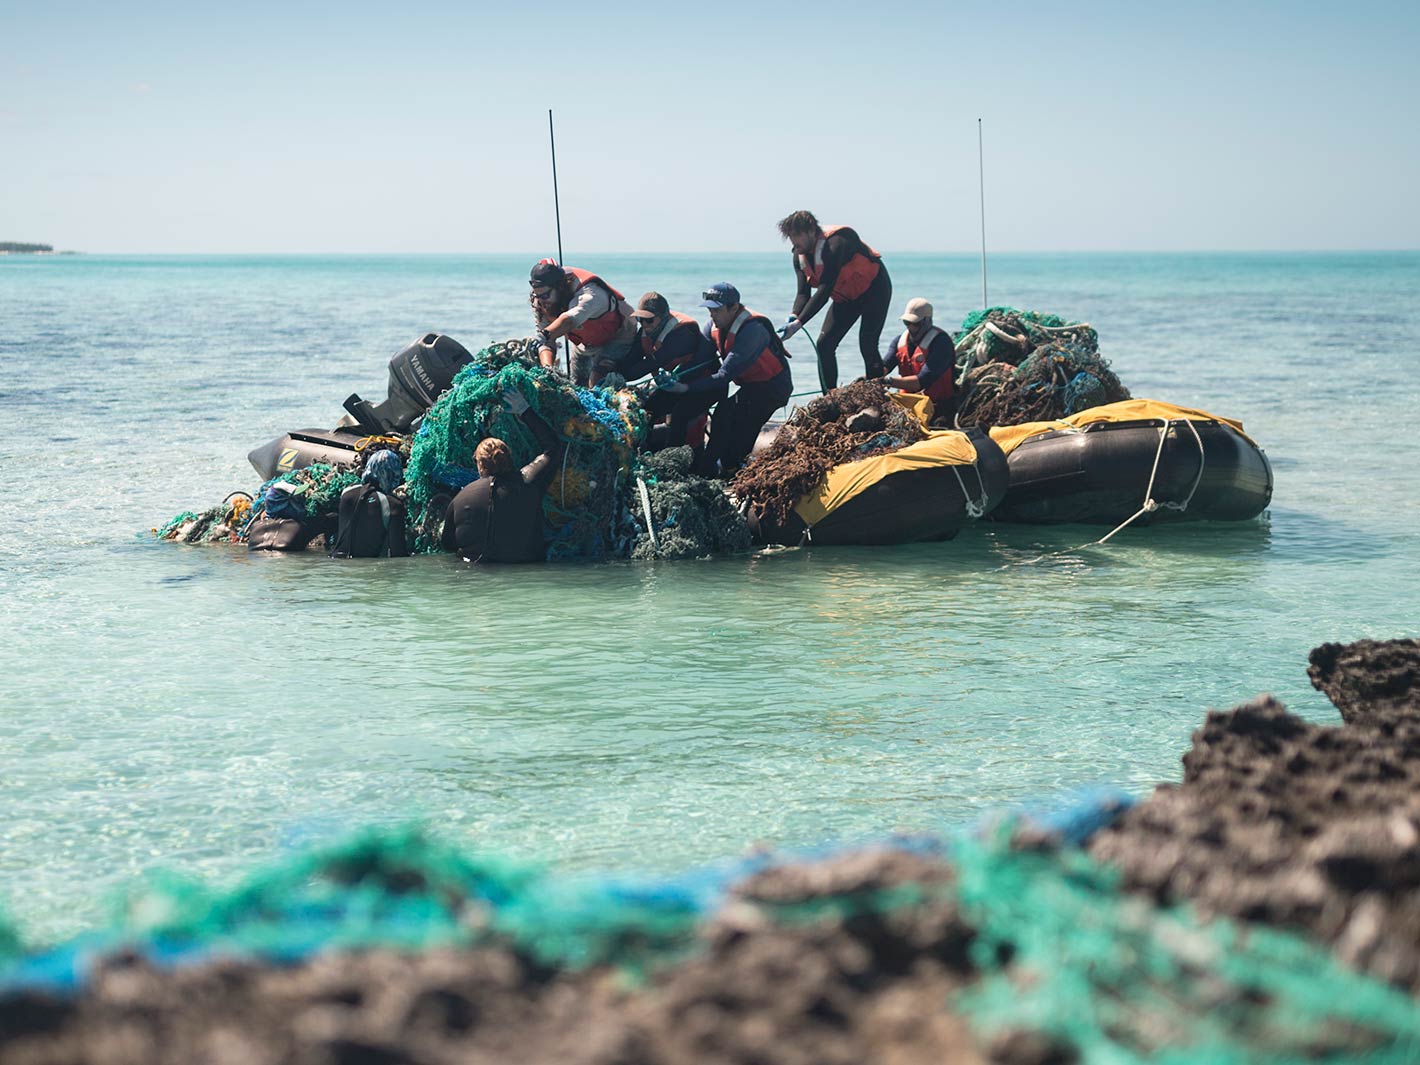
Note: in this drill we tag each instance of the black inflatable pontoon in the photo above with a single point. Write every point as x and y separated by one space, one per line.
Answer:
1103 465
926 491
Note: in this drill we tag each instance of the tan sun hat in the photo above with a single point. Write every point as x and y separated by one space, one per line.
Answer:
917 310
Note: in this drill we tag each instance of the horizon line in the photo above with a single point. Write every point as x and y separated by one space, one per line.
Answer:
973 253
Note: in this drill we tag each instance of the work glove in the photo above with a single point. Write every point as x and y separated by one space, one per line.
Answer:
792 326
666 382
514 401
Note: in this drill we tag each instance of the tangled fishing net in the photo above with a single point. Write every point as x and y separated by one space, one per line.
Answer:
848 423
602 430
1022 366
593 507
692 516
318 488
1038 950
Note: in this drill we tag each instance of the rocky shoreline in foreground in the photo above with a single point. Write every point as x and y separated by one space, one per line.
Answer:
1265 908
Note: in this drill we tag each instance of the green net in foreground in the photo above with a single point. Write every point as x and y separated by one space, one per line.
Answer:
1055 948
1062 951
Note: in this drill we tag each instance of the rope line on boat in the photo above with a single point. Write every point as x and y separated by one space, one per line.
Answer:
1150 504
974 508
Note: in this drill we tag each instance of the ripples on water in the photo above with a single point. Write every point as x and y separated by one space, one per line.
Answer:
194 708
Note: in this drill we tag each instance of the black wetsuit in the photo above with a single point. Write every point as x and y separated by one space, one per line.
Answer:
286 534
871 307
371 524
499 518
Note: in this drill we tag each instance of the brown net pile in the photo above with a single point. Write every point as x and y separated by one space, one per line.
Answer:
846 424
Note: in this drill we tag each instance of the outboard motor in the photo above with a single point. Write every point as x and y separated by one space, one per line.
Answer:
419 374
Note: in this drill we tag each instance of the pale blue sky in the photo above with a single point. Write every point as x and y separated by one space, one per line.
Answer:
353 127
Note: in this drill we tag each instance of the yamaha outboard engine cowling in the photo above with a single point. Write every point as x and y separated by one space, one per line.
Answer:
419 375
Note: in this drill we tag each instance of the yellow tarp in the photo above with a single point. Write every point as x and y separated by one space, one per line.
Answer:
851 479
1010 437
916 404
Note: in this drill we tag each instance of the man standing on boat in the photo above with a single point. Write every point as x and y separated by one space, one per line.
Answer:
753 357
579 305
925 360
850 277
673 344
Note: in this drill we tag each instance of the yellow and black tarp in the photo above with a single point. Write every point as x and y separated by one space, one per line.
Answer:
1010 437
847 481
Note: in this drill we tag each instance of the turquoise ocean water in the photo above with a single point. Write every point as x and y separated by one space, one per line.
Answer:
198 708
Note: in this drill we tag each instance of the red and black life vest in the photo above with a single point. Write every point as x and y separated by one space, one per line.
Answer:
770 363
855 275
697 355
595 332
911 361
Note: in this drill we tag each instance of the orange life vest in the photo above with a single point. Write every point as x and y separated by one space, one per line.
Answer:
911 361
855 275
700 355
595 332
770 363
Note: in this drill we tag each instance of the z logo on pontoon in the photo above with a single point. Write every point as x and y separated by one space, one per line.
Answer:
287 461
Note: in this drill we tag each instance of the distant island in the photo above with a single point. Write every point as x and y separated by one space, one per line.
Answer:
14 247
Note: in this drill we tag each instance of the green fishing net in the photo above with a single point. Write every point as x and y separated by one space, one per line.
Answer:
1114 978
593 507
1022 366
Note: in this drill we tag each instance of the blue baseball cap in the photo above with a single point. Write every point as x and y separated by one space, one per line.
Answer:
722 294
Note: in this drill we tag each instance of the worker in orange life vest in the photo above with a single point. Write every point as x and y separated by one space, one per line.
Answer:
850 277
753 357
925 360
672 344
581 306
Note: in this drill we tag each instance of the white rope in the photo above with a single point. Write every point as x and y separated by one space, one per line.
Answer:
974 509
1180 507
1150 504
646 507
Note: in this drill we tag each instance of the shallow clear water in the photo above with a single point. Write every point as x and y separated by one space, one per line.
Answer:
195 708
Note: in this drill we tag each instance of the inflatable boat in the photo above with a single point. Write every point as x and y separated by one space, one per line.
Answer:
418 375
925 491
1141 458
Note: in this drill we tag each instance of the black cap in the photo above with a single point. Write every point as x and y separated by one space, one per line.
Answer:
652 305
547 274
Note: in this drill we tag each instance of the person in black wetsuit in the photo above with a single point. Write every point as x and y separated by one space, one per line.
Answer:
498 518
284 525
672 344
371 515
850 277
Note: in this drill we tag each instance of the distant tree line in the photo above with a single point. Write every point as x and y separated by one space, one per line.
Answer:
11 245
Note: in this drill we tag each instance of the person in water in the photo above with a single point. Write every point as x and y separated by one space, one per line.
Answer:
753 357
925 360
284 524
371 515
672 344
850 277
498 518
579 305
